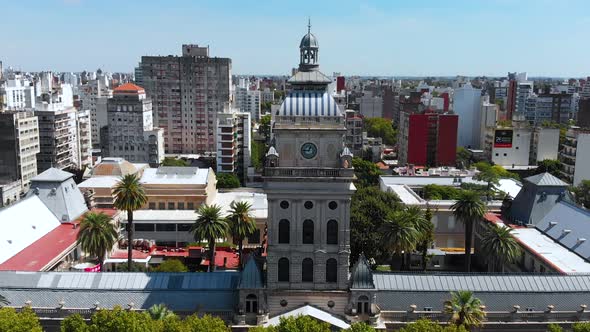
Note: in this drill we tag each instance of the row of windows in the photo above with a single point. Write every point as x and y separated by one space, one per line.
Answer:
307 270
308 205
308 232
171 206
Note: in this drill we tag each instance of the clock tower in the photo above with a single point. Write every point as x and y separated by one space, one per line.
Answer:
308 181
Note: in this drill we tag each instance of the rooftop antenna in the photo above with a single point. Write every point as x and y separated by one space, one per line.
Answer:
309 25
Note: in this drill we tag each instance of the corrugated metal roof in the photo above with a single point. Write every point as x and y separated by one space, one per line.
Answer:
570 226
309 103
546 179
481 283
251 278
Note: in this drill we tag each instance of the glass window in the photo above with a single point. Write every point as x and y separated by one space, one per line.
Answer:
166 227
283 270
251 304
333 205
181 205
331 270
363 305
184 227
307 270
144 227
308 205
284 231
332 232
284 205
190 206
308 232
152 205
254 238
171 205
162 206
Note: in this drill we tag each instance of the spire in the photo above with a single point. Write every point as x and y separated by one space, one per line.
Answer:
309 25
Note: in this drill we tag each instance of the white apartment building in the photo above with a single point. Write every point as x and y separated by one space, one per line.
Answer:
467 105
575 155
544 144
509 146
523 91
94 96
247 101
489 118
131 134
371 106
19 93
85 138
234 152
58 137
267 95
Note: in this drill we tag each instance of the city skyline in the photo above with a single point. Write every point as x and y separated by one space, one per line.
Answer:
356 37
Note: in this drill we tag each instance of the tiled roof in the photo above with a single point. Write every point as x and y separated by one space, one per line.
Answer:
128 88
114 167
309 103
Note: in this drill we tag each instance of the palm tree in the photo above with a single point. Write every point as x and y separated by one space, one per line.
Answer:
488 174
465 309
129 196
241 224
209 226
426 229
399 234
97 235
468 209
159 312
499 245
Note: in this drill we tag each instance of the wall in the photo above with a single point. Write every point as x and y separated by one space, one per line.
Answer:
417 139
518 153
582 171
466 104
446 152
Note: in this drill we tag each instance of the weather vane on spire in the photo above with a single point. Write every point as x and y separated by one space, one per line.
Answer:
308 24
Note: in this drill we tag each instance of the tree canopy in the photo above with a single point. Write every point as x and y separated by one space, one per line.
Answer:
367 173
379 127
169 161
295 324
171 265
426 325
24 321
264 127
227 180
582 193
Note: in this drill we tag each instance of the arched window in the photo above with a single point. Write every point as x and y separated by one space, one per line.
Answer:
284 269
331 270
362 305
251 303
284 231
307 270
308 232
332 232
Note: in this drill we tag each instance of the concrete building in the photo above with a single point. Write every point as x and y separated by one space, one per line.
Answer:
18 92
575 155
131 134
354 132
544 144
93 96
234 153
187 94
83 120
19 134
267 96
509 146
550 107
489 118
370 105
58 137
467 105
247 101
10 192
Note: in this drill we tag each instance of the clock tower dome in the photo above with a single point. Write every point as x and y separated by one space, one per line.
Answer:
308 181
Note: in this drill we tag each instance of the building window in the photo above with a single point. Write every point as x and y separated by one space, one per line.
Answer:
254 238
181 205
362 305
144 227
308 232
166 227
283 270
284 205
333 205
184 227
307 270
162 206
190 206
284 231
152 205
170 205
251 304
332 232
331 270
308 205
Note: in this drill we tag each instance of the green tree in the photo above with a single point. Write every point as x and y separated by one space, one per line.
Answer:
426 325
119 320
581 327
129 196
500 247
426 238
206 323
209 226
97 235
295 324
171 265
465 309
438 192
227 180
399 234
24 321
370 207
74 323
241 224
582 193
169 161
488 174
550 166
367 173
159 312
264 127
554 328
464 159
468 209
360 327
379 127
258 154
265 107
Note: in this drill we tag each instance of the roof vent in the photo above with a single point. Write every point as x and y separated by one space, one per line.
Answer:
553 223
52 191
34 227
581 240
64 217
36 191
566 231
9 241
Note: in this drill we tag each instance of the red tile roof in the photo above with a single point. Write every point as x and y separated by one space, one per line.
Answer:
231 263
122 254
128 88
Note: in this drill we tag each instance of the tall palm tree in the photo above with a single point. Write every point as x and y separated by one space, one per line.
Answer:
129 196
97 235
465 309
159 312
468 209
399 234
209 226
426 229
241 224
499 245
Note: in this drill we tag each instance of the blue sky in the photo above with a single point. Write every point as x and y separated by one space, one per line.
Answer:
386 37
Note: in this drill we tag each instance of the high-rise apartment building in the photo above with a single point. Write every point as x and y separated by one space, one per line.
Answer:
428 139
187 93
94 95
549 107
19 134
354 132
467 105
58 137
18 93
131 134
247 101
83 120
233 143
575 155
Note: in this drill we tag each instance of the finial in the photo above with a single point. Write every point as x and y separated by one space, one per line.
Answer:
309 25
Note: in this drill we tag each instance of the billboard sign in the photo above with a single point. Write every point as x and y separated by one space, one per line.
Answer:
503 138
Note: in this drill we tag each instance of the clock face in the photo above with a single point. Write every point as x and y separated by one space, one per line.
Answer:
309 150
